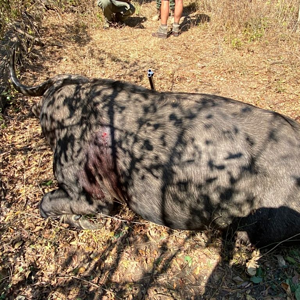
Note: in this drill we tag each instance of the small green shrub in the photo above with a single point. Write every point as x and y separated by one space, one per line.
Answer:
255 29
236 43
12 10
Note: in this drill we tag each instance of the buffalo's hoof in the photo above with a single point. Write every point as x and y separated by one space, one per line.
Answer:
43 213
79 222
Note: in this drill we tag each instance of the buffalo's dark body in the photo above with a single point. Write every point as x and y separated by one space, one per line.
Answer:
187 161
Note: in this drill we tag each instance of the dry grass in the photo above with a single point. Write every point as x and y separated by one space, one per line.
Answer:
247 50
238 16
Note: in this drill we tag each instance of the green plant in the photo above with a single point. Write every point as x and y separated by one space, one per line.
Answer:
189 260
255 29
294 287
8 96
279 86
137 8
12 10
236 43
258 277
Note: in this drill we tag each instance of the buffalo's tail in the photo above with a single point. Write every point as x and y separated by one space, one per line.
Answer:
38 90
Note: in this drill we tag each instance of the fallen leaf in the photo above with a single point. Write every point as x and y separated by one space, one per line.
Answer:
281 261
252 265
18 244
256 279
251 271
37 228
238 279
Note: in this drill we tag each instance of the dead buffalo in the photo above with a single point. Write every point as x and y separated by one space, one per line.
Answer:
183 160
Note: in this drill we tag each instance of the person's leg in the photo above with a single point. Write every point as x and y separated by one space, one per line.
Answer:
164 14
177 15
157 16
106 7
158 4
164 11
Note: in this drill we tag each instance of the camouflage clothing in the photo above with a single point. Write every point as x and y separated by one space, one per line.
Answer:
158 4
172 5
116 11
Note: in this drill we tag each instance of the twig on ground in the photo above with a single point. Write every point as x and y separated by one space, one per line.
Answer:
34 39
278 244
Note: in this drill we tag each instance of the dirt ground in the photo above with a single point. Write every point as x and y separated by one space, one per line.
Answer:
130 258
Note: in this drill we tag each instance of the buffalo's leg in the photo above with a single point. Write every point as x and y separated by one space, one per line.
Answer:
59 203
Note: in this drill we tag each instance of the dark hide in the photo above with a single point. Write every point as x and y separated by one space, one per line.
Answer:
186 161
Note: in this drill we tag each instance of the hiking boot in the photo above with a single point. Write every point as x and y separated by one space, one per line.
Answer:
162 32
175 30
175 33
160 35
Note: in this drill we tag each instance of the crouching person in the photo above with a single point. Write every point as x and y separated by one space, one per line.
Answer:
115 11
